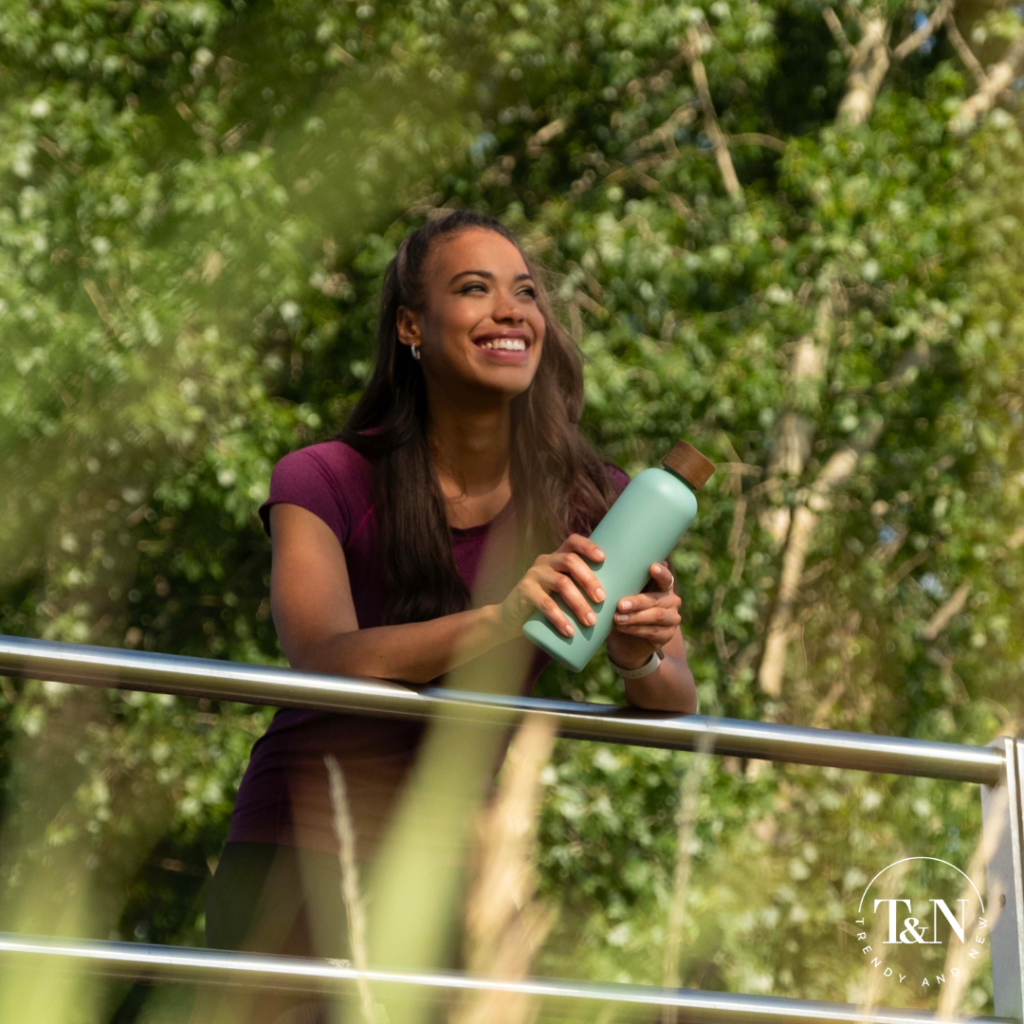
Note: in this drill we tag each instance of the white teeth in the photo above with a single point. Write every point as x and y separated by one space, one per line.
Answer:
510 344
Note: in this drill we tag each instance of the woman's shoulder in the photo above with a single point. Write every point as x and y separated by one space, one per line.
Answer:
330 479
333 459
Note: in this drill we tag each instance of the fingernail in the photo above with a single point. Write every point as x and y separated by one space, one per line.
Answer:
569 630
591 619
621 618
600 554
599 593
626 605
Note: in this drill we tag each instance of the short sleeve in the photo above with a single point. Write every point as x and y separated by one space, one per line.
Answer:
306 478
619 477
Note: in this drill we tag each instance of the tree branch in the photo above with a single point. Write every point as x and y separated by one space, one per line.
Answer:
915 39
908 565
100 305
691 51
542 137
679 118
942 618
965 53
999 78
757 139
835 26
836 471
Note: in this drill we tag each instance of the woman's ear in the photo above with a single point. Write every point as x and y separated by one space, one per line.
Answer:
408 326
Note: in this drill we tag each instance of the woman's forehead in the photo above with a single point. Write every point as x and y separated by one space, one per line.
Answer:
477 249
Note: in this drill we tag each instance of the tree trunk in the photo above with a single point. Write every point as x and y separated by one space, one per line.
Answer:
837 470
868 68
795 431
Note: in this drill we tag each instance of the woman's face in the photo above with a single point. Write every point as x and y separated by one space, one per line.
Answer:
482 331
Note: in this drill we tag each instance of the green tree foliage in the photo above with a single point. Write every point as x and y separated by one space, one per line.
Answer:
774 235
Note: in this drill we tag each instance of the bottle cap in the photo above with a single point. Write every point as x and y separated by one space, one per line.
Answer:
684 460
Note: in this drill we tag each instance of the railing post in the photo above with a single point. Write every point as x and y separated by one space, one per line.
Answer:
1003 835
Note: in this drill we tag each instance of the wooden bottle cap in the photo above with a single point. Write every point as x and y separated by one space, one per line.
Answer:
684 460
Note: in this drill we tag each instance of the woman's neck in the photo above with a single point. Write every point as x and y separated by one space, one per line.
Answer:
471 447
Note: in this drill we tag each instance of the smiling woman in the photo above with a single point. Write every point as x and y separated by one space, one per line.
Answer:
417 542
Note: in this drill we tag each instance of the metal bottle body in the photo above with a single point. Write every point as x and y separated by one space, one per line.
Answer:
641 528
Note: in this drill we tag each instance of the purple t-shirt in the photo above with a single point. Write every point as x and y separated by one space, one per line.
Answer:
284 796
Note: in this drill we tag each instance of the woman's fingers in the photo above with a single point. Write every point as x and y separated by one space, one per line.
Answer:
653 615
566 574
583 546
662 576
545 602
571 595
555 615
641 602
656 616
584 575
659 634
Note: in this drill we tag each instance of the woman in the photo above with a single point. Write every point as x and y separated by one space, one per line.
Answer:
464 450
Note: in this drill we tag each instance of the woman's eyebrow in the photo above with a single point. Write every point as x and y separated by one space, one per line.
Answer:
487 273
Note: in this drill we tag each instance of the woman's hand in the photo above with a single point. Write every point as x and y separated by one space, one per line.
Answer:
644 623
564 573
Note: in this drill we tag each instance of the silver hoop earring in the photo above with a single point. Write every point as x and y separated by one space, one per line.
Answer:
416 352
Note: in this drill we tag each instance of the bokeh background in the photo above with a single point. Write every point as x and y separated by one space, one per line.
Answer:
789 234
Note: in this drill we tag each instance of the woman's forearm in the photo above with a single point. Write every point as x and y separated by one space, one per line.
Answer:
669 688
414 652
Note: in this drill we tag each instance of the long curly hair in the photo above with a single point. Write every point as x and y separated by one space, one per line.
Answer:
560 484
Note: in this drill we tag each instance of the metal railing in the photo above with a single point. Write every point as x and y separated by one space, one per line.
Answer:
294 974
997 768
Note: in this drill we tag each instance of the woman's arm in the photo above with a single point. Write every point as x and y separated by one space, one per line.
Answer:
670 687
317 625
316 621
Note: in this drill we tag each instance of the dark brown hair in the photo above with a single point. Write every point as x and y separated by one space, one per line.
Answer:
559 483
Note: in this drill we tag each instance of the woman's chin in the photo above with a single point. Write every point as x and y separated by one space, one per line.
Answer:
507 382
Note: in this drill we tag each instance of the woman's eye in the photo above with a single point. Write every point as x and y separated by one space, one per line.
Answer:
532 292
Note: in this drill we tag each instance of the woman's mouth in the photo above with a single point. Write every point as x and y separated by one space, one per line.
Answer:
508 344
504 350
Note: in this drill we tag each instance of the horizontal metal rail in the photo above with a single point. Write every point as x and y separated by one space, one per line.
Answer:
296 974
258 684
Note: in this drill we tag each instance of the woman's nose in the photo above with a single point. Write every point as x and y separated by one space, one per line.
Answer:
506 308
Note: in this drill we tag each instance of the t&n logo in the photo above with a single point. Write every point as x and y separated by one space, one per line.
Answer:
889 921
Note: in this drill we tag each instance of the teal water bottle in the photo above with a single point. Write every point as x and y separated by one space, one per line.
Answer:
641 528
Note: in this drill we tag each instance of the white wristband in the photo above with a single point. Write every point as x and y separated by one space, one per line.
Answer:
644 670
